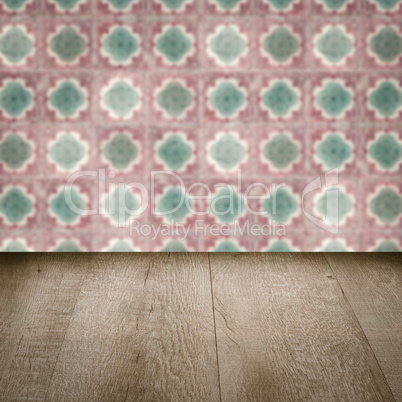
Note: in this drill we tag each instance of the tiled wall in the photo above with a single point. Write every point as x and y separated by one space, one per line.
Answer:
284 90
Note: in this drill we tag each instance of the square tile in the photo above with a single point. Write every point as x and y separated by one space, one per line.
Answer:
228 97
280 150
383 97
382 41
122 44
19 203
68 206
122 150
382 151
67 44
68 97
335 147
174 44
19 45
120 98
281 98
174 98
176 149
335 97
226 150
281 44
20 97
67 149
229 44
20 147
335 44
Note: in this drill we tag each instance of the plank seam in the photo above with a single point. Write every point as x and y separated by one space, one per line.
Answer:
216 338
360 326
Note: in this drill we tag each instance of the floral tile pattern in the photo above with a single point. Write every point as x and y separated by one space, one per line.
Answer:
256 125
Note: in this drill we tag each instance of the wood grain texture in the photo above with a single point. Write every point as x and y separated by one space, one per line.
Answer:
373 286
37 298
129 327
142 330
286 333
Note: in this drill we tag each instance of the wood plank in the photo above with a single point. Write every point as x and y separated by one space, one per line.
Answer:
37 298
285 332
142 330
373 286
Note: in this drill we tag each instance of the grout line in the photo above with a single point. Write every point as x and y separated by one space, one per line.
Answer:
216 338
358 322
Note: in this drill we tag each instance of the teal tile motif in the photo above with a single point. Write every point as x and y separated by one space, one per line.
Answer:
335 209
68 5
14 246
334 5
121 206
16 206
174 99
334 45
281 99
121 99
386 99
16 45
279 246
386 206
227 99
68 246
227 206
227 45
387 5
121 246
68 99
174 45
281 151
227 5
281 5
121 152
272 96
68 151
282 206
120 5
386 151
177 6
334 246
67 213
386 45
68 45
281 45
334 99
333 151
174 205
175 151
15 5
227 151
227 246
175 246
120 46
387 246
16 99
15 151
